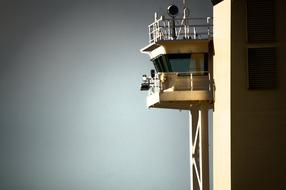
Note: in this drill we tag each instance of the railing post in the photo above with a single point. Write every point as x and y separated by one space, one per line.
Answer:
192 87
210 82
150 34
169 31
179 28
195 33
208 22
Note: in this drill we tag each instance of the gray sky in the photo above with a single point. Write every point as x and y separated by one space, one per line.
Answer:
71 113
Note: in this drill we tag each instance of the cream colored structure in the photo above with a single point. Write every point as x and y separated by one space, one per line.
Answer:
182 53
179 90
249 131
222 112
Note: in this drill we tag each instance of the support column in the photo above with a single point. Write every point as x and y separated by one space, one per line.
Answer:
205 147
199 148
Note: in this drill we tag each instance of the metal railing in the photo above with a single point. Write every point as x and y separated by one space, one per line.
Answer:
180 28
189 81
155 85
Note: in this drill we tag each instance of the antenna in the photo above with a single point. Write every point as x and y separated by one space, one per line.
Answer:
186 9
185 18
155 16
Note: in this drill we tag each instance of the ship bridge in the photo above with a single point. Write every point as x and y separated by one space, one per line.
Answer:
181 50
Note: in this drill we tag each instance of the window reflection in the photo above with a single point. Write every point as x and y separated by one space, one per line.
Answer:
195 63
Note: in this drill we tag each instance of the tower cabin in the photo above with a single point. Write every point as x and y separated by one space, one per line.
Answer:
181 49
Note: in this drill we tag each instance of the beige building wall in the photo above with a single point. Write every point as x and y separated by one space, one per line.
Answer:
249 125
222 76
258 124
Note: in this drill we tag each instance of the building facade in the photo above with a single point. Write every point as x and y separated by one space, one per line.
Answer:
249 132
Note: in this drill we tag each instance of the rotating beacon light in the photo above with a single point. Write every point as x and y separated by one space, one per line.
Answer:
172 12
181 50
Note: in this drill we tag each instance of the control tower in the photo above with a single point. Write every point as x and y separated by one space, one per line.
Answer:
181 49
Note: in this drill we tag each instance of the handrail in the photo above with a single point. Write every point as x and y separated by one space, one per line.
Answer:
187 81
185 28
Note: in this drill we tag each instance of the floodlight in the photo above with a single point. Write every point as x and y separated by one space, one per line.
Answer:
173 10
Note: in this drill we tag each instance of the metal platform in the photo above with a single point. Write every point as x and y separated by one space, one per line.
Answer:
180 90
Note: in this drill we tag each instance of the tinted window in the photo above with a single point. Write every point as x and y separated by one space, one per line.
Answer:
180 62
196 63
